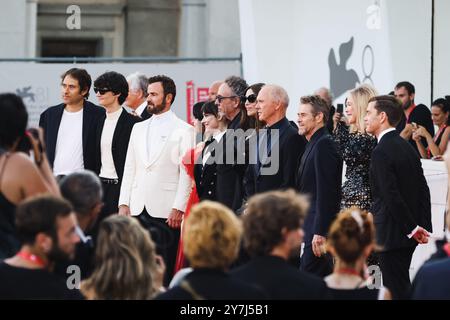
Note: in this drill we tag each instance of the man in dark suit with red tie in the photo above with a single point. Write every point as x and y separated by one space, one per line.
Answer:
401 199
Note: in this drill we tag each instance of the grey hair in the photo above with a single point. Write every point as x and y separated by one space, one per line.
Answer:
138 81
327 93
83 190
237 85
278 94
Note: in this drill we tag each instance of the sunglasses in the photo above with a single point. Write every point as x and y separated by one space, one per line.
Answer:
220 98
101 91
251 98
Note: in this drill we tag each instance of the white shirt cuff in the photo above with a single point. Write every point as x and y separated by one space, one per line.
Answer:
413 232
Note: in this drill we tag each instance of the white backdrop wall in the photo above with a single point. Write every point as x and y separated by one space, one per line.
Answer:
39 83
441 49
289 42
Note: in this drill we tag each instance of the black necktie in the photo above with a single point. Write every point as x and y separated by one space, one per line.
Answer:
209 147
266 135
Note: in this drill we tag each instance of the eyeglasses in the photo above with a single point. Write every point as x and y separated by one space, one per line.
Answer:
220 98
251 98
101 91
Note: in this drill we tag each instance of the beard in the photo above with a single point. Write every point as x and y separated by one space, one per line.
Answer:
156 109
407 104
59 256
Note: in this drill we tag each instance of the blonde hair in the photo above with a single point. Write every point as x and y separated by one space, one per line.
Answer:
361 96
212 236
351 232
125 261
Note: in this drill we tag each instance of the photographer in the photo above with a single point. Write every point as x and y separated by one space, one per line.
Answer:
20 178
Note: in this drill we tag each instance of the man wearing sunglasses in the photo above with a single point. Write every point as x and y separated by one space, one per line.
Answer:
228 100
69 128
230 173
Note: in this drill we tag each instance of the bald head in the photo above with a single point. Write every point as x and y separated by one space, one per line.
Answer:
213 89
277 94
325 94
272 104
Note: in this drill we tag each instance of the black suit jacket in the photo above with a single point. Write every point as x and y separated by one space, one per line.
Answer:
431 282
281 280
221 178
401 198
145 114
206 176
50 120
320 176
290 148
120 140
235 123
214 284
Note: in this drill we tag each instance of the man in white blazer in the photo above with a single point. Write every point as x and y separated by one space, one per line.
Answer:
155 186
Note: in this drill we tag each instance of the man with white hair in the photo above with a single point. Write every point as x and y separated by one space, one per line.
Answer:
137 95
272 104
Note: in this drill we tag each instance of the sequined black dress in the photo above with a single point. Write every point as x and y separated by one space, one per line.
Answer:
356 149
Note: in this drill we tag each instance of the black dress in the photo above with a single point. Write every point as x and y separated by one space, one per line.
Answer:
355 294
9 243
356 149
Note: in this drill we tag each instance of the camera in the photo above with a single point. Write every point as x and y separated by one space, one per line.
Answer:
25 144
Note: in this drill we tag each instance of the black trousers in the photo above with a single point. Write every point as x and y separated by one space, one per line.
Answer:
165 238
110 200
321 267
394 265
111 193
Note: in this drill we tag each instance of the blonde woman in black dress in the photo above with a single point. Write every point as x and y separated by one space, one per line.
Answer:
356 147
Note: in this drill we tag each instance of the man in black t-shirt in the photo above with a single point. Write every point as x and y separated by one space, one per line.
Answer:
46 228
416 115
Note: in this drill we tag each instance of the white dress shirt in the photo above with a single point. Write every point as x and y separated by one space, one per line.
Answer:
69 144
383 133
108 170
158 133
141 108
217 137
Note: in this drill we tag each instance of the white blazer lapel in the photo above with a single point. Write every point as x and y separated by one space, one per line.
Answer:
143 139
160 140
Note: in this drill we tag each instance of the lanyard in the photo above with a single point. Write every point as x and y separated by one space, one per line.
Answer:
31 258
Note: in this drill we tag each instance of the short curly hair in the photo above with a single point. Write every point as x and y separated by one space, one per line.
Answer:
318 105
114 81
212 236
267 215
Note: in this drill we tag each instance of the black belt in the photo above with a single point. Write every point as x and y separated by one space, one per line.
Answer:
109 181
